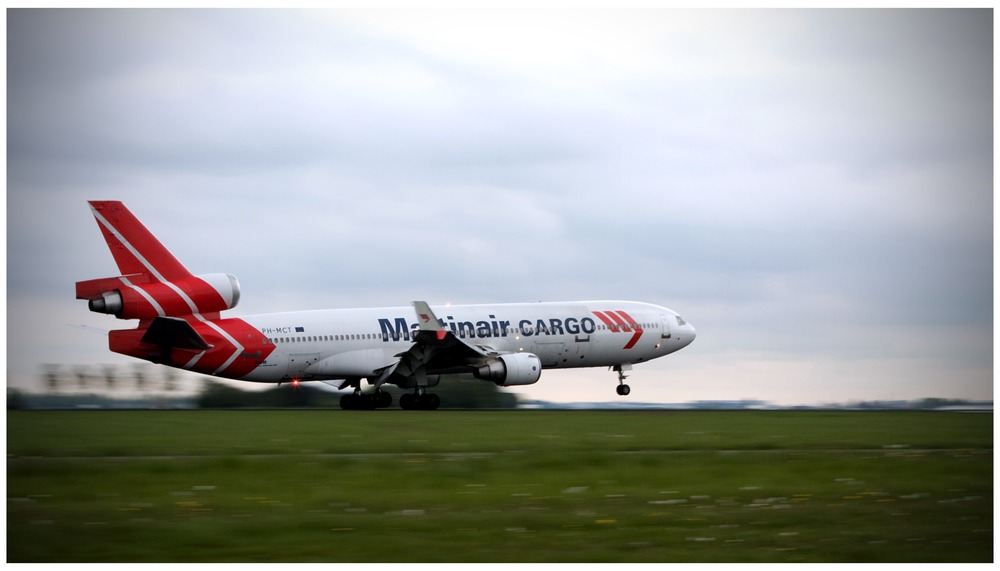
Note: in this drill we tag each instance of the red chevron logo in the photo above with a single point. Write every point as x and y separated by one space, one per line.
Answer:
621 322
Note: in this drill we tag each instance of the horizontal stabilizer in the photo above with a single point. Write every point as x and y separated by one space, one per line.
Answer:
174 332
93 289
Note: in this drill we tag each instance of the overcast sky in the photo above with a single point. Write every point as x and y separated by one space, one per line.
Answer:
812 189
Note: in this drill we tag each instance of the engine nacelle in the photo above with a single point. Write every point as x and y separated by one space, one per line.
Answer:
511 369
131 297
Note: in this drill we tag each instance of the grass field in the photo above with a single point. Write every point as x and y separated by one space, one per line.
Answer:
511 486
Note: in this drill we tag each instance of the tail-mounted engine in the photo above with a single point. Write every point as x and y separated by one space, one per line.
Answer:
137 297
511 369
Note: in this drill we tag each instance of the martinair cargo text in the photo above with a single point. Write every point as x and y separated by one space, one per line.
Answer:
180 325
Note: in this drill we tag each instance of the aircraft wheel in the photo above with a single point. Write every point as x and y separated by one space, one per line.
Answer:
382 399
407 402
623 390
431 402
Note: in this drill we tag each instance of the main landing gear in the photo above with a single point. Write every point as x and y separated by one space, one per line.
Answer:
623 389
361 401
419 400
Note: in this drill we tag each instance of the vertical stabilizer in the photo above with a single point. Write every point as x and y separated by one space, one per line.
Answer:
135 249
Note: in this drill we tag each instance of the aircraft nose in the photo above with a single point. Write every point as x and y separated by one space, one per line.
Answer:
688 335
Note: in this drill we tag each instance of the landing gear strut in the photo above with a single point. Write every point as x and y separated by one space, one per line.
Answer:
623 389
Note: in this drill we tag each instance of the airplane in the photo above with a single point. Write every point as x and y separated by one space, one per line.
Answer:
180 325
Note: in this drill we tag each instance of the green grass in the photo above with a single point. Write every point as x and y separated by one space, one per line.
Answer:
513 486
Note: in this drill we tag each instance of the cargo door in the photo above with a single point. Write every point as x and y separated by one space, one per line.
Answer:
665 322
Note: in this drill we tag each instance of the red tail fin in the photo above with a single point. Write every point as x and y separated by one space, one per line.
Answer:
135 249
179 314
153 283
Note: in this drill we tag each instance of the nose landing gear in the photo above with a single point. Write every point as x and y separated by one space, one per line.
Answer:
622 389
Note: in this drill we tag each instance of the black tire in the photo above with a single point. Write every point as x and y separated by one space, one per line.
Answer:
430 402
347 402
407 402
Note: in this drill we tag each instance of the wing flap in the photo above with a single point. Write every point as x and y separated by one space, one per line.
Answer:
435 350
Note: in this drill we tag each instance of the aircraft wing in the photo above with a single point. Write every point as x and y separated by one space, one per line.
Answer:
435 350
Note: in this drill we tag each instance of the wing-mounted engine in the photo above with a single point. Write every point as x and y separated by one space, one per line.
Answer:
137 296
511 369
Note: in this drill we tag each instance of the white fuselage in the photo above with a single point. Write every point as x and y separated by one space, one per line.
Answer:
354 343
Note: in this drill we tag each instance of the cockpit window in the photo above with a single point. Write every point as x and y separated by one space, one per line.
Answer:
680 321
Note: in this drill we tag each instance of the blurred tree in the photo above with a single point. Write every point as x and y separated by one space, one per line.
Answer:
15 400
82 377
218 395
139 375
458 392
52 377
110 376
170 380
453 393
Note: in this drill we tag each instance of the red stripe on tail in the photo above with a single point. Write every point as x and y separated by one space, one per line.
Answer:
135 249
